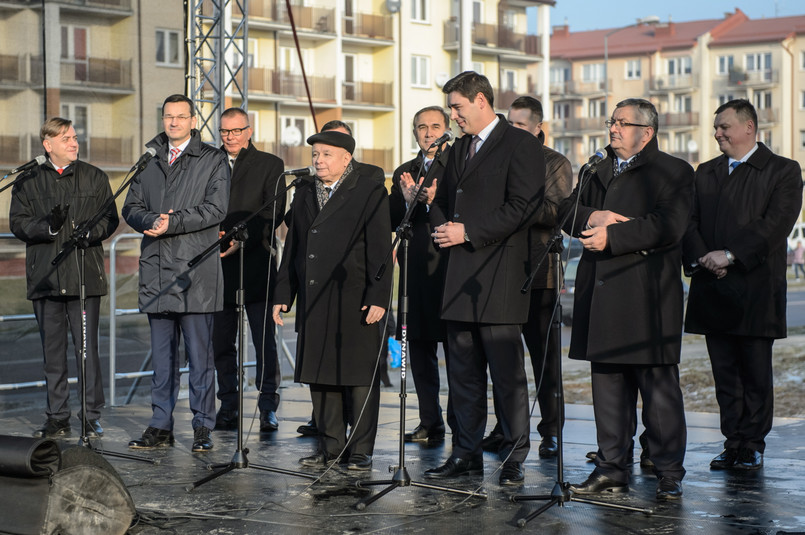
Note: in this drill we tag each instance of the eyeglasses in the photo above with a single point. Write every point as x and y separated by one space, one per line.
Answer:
609 123
172 117
234 131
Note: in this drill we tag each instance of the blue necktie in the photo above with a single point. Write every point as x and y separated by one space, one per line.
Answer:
733 165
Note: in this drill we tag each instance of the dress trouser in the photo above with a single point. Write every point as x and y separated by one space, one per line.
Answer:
473 347
328 410
615 388
55 315
742 370
425 371
225 335
166 330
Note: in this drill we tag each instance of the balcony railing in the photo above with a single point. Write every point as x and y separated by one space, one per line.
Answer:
92 72
673 81
378 93
491 35
104 4
109 151
299 156
368 25
379 157
767 115
320 19
753 78
12 68
690 118
270 81
576 87
578 124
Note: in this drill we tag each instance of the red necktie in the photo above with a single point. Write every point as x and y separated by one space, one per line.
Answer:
174 154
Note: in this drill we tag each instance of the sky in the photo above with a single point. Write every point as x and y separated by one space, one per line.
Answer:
583 15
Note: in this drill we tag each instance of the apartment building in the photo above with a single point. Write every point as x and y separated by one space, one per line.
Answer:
686 69
105 64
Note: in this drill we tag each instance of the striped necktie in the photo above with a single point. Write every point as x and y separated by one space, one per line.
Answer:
174 154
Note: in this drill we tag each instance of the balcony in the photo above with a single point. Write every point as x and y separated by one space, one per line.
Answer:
12 151
369 26
577 125
282 83
767 115
318 19
12 69
494 39
113 75
690 157
379 157
570 88
676 120
299 156
109 151
372 93
504 99
676 82
103 8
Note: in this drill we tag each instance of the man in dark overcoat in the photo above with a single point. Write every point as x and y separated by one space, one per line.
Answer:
337 240
425 268
495 179
747 201
630 213
255 180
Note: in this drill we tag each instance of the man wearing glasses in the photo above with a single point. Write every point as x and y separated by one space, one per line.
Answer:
178 203
255 176
631 217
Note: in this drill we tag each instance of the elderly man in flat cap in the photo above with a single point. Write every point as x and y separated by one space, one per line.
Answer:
337 238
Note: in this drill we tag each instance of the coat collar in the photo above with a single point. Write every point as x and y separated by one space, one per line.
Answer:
489 144
646 155
242 162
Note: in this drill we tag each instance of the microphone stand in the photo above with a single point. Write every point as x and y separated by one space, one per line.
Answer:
560 494
240 459
401 478
28 173
79 239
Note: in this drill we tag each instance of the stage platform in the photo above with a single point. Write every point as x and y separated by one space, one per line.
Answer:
253 501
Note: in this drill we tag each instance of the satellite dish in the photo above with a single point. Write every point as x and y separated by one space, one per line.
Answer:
441 79
291 136
692 145
393 5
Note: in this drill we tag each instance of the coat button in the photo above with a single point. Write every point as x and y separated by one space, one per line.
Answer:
311 256
314 231
312 282
459 190
63 291
455 216
600 283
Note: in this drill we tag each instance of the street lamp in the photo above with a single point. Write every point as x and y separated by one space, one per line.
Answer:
651 20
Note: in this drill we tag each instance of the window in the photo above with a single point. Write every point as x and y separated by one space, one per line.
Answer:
764 136
508 80
560 75
251 55
294 131
477 12
802 60
79 114
597 108
762 100
681 142
597 142
683 104
679 66
289 60
592 72
74 46
633 69
758 62
562 146
802 100
724 65
477 66
724 98
349 77
561 110
420 71
419 10
168 47
802 139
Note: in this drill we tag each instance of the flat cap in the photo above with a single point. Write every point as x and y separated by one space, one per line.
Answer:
336 139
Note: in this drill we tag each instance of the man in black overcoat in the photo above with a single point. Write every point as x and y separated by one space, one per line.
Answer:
255 180
426 266
338 237
630 213
747 201
495 179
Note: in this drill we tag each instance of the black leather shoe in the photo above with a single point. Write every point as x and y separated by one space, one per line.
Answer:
669 488
93 428
748 459
548 447
152 438
360 461
317 460
53 428
201 440
423 434
308 430
512 473
226 420
268 421
492 442
725 459
456 466
593 455
597 483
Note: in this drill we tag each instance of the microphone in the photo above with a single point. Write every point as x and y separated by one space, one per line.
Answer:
595 158
39 160
150 152
305 171
447 136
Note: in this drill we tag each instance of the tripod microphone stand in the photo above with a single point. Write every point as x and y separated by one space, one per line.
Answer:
401 478
560 494
240 459
80 240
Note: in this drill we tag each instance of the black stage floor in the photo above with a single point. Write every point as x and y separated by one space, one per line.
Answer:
771 500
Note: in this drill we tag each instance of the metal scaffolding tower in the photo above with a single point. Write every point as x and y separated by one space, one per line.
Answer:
218 48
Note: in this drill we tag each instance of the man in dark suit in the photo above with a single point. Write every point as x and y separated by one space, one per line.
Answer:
526 113
338 237
495 179
255 177
631 212
426 265
747 201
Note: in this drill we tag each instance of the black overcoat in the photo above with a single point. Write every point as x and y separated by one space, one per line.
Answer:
628 299
255 180
426 263
329 265
749 212
495 197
